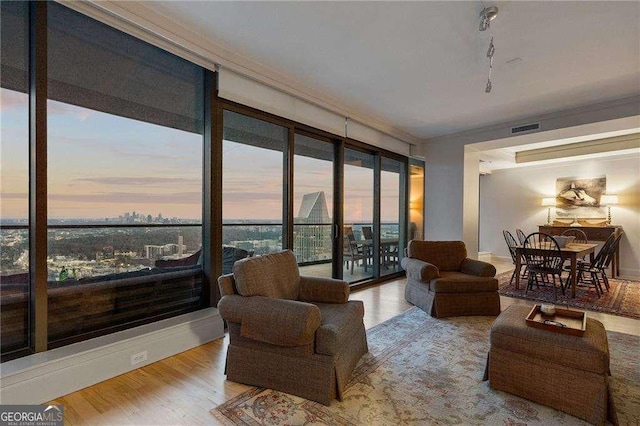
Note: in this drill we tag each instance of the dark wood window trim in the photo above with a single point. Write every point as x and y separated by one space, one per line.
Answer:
38 175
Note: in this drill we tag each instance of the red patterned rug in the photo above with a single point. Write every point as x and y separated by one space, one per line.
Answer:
623 297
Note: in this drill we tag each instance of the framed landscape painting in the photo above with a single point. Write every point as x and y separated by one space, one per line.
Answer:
580 197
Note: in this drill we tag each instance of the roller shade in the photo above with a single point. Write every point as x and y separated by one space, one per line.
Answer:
95 66
14 34
251 131
313 148
363 133
247 91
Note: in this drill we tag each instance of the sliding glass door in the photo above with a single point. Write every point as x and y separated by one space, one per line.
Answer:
313 194
358 208
252 187
391 184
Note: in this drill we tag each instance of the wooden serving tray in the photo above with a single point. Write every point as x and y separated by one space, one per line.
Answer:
575 322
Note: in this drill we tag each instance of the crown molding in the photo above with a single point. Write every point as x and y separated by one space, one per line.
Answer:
140 20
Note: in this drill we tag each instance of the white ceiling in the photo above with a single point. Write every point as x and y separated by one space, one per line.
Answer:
421 66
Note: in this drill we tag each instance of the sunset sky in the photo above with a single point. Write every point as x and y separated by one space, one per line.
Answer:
101 165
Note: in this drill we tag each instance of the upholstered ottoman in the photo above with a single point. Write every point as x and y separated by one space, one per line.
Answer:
568 373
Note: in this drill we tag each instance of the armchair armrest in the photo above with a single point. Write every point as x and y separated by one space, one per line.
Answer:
477 268
276 321
419 269
227 285
323 290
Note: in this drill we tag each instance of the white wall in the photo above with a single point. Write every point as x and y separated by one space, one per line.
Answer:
444 172
450 210
511 199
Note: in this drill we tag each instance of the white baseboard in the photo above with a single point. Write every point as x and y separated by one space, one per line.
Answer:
629 273
497 258
42 377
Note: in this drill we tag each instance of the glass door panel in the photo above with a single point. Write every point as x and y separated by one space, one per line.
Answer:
390 217
313 205
14 180
357 256
252 187
416 202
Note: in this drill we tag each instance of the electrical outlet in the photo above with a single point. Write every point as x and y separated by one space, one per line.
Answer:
138 358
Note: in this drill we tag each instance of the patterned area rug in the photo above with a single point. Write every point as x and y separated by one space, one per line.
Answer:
623 297
425 371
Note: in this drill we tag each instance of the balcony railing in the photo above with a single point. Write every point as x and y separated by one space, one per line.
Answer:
101 278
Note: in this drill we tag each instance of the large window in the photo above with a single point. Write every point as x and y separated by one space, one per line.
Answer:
252 186
124 173
148 174
14 177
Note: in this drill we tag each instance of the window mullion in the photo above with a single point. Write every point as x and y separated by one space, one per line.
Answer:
38 175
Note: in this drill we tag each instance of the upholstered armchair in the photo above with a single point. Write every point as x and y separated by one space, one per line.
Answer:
299 335
443 282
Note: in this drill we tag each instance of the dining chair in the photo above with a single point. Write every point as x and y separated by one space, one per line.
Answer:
579 237
543 258
521 236
511 244
597 269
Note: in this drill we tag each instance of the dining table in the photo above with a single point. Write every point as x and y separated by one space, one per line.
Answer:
387 247
572 252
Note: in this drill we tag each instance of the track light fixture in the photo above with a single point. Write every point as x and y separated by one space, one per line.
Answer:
491 49
487 15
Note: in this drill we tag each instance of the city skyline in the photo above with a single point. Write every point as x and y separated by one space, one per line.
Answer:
134 163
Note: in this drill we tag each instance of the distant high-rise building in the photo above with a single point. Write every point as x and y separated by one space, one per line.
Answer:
154 252
312 242
181 246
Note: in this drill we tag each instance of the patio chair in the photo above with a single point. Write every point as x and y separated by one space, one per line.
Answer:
351 253
367 232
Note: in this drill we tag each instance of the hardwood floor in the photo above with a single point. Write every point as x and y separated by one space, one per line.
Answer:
181 390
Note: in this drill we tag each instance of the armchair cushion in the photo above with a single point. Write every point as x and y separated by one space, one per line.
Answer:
445 255
275 321
273 275
323 290
419 269
477 268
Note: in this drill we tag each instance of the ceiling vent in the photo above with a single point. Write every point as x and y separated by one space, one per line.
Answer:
525 128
